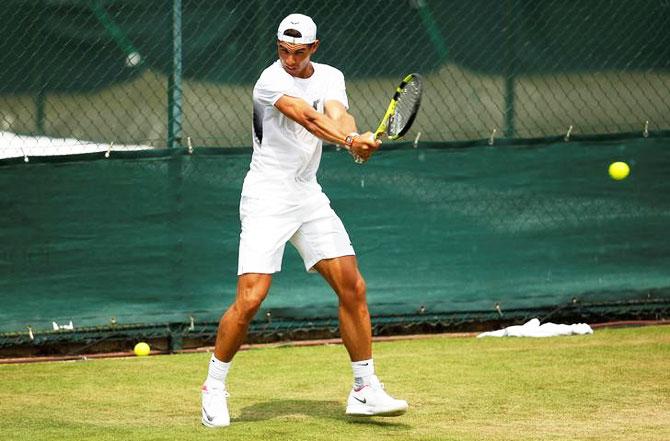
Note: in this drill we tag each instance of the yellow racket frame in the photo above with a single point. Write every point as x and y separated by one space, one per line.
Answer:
383 125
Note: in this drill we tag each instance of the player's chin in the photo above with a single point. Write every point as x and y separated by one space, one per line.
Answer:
289 69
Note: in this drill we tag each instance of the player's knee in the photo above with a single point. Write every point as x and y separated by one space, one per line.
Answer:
354 295
360 289
248 303
247 309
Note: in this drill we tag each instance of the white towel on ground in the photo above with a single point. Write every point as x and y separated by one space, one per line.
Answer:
533 328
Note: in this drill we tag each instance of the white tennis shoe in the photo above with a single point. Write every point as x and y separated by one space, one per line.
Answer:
215 405
372 400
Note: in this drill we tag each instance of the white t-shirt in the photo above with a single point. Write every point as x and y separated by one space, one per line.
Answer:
286 156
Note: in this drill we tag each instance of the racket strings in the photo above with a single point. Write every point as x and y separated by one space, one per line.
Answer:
407 105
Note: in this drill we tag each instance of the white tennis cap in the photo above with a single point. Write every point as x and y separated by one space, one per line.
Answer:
301 23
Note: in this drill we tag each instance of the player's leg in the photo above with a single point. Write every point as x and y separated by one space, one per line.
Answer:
252 289
324 245
266 226
367 397
343 276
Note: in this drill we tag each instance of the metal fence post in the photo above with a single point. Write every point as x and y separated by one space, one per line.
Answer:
432 29
509 70
38 77
174 80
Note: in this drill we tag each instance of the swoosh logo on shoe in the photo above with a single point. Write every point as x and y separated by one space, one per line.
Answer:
209 418
364 400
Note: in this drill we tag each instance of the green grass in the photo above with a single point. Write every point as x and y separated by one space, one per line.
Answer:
613 385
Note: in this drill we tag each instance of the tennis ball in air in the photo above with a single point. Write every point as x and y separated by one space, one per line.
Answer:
619 170
133 59
141 349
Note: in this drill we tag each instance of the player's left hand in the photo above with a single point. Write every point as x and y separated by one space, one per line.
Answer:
364 146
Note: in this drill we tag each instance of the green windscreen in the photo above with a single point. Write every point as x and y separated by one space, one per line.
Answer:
152 238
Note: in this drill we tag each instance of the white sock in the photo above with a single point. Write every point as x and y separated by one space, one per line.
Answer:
218 370
363 371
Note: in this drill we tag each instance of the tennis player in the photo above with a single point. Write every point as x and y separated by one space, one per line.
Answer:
297 104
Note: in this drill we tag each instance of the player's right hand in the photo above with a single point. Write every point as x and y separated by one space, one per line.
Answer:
364 145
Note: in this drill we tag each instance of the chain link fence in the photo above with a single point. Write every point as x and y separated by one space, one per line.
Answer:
81 75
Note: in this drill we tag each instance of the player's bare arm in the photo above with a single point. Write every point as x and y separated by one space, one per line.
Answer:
324 127
336 111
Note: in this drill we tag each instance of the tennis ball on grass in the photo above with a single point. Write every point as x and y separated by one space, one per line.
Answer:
619 170
141 349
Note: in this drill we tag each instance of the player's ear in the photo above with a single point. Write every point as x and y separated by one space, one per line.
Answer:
315 45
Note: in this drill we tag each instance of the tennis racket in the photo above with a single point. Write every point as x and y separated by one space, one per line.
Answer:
402 109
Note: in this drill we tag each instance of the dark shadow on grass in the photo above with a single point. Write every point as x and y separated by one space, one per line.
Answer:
311 408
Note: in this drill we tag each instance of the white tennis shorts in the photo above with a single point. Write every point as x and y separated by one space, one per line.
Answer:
310 225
